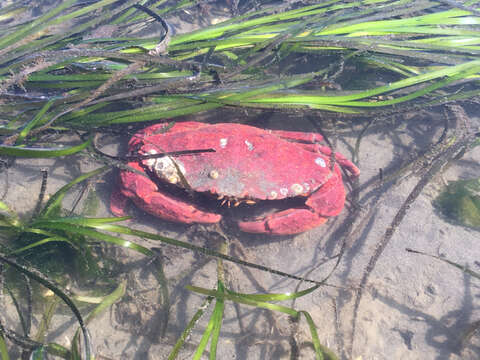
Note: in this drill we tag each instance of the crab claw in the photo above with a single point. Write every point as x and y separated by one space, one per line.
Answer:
145 195
287 222
318 208
118 203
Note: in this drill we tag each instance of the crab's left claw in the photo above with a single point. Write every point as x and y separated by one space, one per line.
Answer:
145 195
118 202
318 208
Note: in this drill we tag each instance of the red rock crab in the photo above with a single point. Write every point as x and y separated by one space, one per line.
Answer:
249 165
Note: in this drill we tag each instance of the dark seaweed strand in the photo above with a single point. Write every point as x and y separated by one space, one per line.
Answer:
41 195
217 254
117 76
79 197
95 94
164 297
435 167
23 321
18 339
345 244
354 197
165 39
459 5
167 85
37 276
28 286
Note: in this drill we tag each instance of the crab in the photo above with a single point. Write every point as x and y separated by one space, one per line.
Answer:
245 165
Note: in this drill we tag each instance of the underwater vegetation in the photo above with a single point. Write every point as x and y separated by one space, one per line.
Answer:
78 76
460 201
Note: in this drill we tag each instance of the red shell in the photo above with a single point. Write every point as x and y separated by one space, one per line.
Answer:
250 162
247 163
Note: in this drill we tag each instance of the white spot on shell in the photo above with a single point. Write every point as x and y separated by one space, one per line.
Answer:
297 189
151 162
249 145
165 169
284 191
223 142
213 174
320 161
273 195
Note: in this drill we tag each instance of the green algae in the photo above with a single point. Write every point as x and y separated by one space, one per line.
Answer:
461 202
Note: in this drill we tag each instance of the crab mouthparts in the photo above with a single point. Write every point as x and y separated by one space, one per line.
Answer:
234 201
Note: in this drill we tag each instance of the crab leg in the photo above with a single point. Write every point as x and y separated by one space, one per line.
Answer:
309 142
144 193
298 136
340 159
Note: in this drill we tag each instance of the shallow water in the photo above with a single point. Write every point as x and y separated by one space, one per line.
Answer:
413 306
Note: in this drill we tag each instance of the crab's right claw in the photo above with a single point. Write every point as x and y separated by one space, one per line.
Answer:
286 222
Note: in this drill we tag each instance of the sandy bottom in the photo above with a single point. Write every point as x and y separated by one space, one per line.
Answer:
413 306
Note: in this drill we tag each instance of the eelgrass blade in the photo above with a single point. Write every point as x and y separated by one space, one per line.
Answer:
164 300
463 268
23 134
35 25
107 301
188 329
57 39
3 348
11 12
73 228
58 350
10 219
173 106
469 68
18 308
45 282
245 300
54 203
320 351
42 328
38 153
39 243
129 231
274 297
180 111
354 26
38 354
88 221
204 341
217 319
213 325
